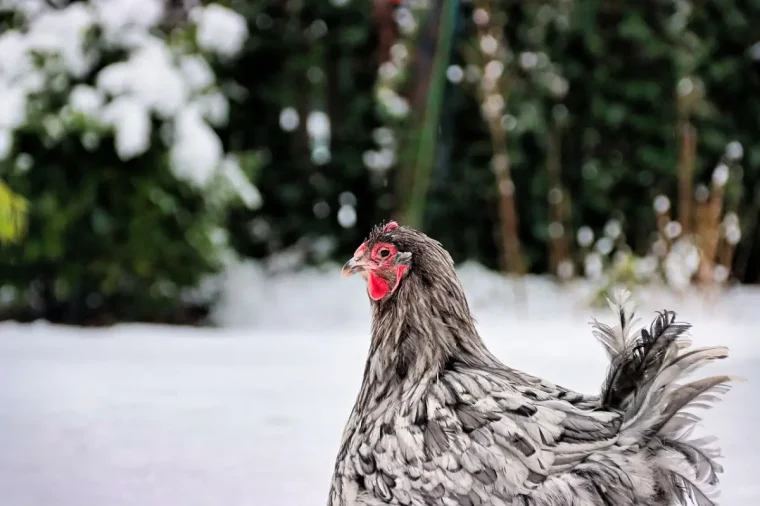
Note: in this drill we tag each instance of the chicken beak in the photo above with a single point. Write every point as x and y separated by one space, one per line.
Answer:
352 267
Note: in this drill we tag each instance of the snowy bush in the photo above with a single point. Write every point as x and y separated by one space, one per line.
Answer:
107 126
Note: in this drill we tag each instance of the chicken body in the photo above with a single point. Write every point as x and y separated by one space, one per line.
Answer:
440 421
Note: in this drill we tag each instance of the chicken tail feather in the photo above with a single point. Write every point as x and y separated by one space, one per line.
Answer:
644 382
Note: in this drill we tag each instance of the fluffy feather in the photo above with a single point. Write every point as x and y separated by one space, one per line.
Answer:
440 421
643 382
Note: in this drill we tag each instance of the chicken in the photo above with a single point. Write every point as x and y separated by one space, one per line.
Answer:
440 421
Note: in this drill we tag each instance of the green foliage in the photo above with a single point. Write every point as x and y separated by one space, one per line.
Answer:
302 57
729 67
604 80
107 237
115 233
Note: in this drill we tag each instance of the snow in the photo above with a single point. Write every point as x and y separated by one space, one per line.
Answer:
157 78
6 143
197 151
130 120
253 297
12 113
123 19
86 100
253 413
220 30
214 107
13 108
63 32
248 193
196 72
150 76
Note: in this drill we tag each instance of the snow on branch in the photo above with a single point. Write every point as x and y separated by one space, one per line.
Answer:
120 73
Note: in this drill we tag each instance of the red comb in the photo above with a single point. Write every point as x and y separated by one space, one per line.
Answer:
391 225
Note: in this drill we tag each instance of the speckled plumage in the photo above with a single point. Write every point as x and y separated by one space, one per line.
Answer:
440 421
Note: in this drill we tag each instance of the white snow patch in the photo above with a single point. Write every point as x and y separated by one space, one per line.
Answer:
124 19
141 415
155 80
63 32
29 8
214 107
248 193
12 106
197 151
150 76
6 143
219 30
15 61
86 99
196 72
252 297
130 120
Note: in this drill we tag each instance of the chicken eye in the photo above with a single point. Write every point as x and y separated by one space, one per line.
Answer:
383 253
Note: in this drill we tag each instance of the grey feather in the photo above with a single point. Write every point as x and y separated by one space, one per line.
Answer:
440 421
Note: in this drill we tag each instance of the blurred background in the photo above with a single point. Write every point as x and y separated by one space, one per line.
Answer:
149 142
212 163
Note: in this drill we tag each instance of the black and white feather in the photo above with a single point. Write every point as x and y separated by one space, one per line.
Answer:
440 421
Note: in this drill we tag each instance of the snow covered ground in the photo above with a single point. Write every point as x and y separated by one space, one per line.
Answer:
252 414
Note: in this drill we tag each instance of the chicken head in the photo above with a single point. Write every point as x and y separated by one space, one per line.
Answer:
381 262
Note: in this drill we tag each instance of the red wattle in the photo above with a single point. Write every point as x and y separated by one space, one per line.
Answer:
377 287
